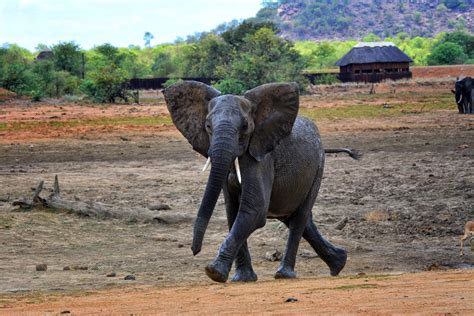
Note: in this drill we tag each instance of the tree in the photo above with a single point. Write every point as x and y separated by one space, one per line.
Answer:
106 85
264 57
15 70
463 39
207 57
67 56
147 38
447 54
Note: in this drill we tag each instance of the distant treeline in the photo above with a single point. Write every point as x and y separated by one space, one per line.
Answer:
243 56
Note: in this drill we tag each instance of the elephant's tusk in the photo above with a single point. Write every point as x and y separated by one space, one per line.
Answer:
460 99
208 162
237 170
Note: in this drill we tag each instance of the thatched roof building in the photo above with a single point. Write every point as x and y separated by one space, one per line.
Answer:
374 62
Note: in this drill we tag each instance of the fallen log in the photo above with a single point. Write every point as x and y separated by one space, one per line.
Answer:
97 209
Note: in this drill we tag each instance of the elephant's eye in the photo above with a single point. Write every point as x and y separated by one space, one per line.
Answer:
245 126
209 128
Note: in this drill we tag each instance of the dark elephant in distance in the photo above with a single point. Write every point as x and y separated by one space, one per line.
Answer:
463 93
268 162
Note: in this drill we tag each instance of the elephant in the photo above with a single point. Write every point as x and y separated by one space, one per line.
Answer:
267 161
464 95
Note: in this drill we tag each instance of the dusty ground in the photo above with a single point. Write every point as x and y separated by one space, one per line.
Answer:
406 203
448 293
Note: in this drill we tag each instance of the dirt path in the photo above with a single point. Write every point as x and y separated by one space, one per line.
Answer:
421 293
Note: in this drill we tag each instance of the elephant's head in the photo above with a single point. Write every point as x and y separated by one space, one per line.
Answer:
458 92
225 127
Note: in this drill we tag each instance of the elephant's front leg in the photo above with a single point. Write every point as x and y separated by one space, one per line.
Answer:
243 262
255 198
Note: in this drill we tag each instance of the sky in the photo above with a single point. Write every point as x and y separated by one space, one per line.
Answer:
118 22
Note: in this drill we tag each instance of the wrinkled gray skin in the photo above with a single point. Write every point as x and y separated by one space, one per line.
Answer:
281 159
464 95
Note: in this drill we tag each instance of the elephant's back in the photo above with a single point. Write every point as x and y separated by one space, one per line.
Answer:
297 160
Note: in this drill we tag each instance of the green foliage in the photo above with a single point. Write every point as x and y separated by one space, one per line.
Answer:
463 39
36 95
455 4
264 57
67 56
54 83
447 54
230 86
206 57
327 79
106 85
171 82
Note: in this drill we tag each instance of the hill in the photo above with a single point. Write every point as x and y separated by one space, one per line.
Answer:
354 19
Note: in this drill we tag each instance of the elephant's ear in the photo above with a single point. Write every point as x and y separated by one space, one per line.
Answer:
276 110
187 103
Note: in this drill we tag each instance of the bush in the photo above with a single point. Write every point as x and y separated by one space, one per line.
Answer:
230 86
36 95
171 82
447 54
327 79
106 85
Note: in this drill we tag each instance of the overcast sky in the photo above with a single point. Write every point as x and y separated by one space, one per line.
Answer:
119 22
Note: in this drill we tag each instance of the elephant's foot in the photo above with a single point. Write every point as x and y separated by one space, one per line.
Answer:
218 271
244 275
285 273
338 261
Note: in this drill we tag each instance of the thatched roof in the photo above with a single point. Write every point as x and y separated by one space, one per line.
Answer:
45 54
374 52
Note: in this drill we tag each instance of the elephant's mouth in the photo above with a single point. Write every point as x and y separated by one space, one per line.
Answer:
236 166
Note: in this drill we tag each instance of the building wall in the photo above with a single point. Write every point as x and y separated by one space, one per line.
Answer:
374 72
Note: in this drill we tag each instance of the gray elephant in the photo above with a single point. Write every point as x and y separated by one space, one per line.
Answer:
464 95
269 163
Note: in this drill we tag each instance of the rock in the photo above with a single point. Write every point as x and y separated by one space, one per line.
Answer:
111 274
342 223
308 254
41 267
291 300
130 277
159 207
273 256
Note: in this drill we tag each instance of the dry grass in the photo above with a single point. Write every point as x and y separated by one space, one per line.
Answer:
380 216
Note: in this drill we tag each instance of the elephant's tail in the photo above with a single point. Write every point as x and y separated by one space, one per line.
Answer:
351 152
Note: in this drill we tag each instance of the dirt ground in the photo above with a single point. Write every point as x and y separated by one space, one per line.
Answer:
406 203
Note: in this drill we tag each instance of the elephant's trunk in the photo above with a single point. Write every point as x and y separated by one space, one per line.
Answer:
222 154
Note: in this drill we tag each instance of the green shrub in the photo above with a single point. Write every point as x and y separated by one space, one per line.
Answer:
230 86
327 79
106 85
171 82
36 95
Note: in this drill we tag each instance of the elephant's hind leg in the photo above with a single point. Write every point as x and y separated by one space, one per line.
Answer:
297 226
333 256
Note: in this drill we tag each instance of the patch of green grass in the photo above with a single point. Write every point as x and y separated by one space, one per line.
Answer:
412 106
130 121
373 276
356 286
6 221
